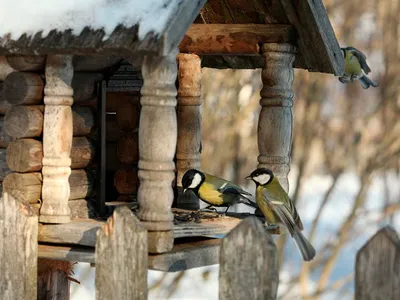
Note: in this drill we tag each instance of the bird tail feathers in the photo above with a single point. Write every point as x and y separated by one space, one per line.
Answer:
366 82
247 201
305 248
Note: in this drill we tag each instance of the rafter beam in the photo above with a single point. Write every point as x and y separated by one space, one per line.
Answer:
234 39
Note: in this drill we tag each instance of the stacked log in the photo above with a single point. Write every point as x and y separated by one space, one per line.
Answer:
23 90
123 111
5 139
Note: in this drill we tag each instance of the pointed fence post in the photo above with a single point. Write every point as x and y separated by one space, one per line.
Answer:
121 258
378 267
248 263
18 250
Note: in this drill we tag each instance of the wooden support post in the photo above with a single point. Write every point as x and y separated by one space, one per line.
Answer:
18 249
57 139
189 124
53 281
157 147
121 258
248 263
276 121
377 267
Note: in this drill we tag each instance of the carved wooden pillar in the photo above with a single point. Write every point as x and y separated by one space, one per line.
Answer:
57 139
189 123
157 146
276 121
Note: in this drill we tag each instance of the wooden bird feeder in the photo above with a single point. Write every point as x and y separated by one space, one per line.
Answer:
90 123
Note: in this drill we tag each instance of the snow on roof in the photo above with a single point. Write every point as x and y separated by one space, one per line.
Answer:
28 16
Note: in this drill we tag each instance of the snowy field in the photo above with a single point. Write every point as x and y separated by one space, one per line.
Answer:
194 287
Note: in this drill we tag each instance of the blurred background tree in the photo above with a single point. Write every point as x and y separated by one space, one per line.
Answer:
338 130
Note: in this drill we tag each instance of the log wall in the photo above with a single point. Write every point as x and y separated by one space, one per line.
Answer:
21 132
123 113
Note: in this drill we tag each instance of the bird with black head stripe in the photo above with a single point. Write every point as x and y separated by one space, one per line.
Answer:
215 191
278 208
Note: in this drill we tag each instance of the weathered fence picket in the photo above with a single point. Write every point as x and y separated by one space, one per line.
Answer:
378 267
248 263
18 250
121 258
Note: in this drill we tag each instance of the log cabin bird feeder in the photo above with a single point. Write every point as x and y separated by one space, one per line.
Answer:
106 112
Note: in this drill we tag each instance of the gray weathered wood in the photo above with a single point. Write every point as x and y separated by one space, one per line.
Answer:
184 256
27 63
123 41
5 139
157 146
18 250
248 263
67 253
378 267
316 39
83 232
121 258
275 124
24 121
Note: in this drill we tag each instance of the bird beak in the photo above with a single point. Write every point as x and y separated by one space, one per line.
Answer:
248 177
184 191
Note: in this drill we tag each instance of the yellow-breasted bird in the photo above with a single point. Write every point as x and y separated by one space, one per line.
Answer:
356 67
215 191
277 208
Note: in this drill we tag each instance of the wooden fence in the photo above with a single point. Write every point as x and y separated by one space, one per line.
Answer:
248 259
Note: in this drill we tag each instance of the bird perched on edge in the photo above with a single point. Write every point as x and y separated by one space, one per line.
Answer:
277 207
356 67
215 191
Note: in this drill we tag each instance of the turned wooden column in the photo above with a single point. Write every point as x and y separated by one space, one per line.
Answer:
157 146
189 124
57 139
276 121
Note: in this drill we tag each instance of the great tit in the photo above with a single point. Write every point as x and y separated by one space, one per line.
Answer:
215 191
277 208
356 68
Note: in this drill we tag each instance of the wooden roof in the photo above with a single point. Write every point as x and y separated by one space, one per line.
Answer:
318 47
123 41
235 28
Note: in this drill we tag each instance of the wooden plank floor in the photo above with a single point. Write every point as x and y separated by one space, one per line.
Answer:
183 256
83 231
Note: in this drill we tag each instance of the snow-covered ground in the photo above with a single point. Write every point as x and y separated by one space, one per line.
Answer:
194 287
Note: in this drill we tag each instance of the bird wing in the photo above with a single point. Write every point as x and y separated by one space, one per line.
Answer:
231 186
242 199
284 208
362 59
